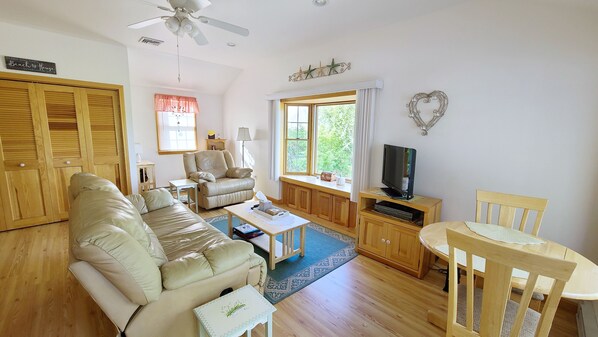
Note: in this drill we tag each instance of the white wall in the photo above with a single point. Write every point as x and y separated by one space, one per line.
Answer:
521 80
170 167
75 58
156 72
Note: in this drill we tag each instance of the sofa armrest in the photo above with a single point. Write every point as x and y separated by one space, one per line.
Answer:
195 267
238 172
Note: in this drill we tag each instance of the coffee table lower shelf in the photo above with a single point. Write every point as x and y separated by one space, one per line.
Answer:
263 241
284 227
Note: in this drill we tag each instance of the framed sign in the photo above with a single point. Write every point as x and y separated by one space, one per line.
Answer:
16 63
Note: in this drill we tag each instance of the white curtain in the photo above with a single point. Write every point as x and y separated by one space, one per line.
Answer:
364 132
275 130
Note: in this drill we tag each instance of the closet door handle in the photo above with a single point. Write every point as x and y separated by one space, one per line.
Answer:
388 242
383 240
68 162
21 164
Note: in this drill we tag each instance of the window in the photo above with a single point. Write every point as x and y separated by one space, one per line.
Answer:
175 119
319 135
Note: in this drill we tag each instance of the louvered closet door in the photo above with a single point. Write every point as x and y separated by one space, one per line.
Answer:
24 186
64 134
105 143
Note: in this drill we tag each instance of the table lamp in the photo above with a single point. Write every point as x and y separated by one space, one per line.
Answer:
138 151
243 136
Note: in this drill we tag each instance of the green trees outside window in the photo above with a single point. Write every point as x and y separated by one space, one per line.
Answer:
319 137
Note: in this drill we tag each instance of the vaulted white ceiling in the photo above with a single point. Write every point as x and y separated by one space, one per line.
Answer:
276 26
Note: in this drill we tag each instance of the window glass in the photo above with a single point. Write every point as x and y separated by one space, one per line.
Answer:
176 132
334 138
319 137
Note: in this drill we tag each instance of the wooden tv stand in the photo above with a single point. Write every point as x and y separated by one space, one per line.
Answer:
391 240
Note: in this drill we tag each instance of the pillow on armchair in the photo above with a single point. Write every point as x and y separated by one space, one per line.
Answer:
207 176
238 172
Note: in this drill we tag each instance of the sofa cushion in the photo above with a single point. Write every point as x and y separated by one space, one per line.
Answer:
226 186
238 172
207 176
182 232
158 198
138 201
115 254
190 268
84 181
215 260
212 161
109 208
156 250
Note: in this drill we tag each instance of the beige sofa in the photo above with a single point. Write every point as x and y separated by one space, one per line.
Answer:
147 260
220 183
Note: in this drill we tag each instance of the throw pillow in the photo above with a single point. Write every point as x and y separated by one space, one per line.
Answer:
196 176
238 172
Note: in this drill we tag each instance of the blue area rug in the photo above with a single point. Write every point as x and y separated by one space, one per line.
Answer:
325 250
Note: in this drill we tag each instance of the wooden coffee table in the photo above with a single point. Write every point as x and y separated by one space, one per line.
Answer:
285 226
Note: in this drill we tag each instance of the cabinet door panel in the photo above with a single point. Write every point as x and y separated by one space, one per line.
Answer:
63 128
404 246
303 199
372 236
340 208
24 186
291 194
110 172
104 135
324 205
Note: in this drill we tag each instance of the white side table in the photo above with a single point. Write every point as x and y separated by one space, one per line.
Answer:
181 184
234 314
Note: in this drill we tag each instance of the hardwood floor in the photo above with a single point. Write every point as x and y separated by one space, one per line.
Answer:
361 298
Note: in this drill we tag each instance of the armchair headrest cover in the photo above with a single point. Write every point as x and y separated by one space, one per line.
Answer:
212 161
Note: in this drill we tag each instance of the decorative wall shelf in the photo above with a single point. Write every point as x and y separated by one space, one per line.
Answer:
322 71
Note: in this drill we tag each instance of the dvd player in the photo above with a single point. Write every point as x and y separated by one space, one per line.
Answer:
397 211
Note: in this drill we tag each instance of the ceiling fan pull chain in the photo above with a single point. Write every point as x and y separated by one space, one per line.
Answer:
178 56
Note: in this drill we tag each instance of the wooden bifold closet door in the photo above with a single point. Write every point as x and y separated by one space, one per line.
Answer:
47 134
25 187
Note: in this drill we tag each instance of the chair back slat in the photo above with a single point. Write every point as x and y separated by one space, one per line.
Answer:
500 259
524 304
508 205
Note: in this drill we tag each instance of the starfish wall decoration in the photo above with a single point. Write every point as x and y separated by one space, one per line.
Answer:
327 70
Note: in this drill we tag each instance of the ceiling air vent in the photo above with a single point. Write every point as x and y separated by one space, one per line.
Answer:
149 40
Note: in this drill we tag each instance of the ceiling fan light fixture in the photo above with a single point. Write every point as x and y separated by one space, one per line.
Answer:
187 26
320 3
173 24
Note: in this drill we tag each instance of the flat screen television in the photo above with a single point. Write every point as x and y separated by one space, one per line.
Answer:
398 171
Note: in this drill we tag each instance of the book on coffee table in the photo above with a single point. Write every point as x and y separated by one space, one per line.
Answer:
272 213
247 231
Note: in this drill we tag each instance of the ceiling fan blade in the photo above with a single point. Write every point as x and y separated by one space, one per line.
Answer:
166 9
147 22
198 36
224 25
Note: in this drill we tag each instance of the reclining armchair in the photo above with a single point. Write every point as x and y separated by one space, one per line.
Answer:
220 183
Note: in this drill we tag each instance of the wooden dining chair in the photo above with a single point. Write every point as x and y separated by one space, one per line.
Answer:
508 205
496 315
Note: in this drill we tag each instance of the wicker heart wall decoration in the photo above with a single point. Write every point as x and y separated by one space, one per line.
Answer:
437 113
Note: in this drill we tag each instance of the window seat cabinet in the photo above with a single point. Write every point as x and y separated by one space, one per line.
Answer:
322 199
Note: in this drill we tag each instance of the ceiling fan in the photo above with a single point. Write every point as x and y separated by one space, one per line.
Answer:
180 22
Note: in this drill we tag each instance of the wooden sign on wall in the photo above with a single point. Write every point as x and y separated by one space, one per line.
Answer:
16 63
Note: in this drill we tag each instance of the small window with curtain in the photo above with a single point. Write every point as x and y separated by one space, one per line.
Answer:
175 120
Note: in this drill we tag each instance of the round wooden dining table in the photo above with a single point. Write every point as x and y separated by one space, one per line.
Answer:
583 284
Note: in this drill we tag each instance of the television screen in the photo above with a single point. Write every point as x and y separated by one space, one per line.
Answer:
398 171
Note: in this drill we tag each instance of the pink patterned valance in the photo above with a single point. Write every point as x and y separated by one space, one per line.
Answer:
171 103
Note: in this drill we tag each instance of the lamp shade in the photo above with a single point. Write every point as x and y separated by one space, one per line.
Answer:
243 134
138 148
